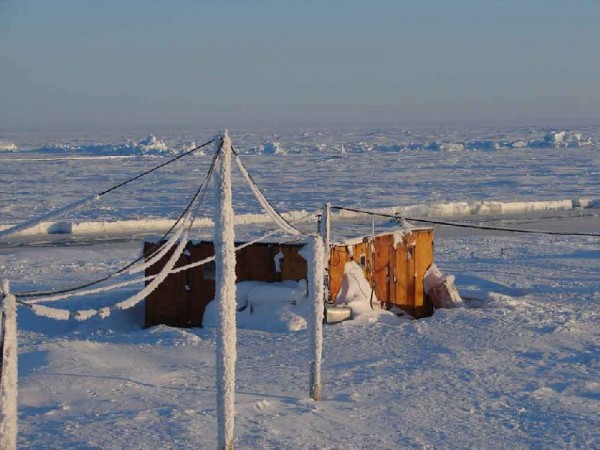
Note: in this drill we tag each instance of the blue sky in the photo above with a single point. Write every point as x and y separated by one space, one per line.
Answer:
105 63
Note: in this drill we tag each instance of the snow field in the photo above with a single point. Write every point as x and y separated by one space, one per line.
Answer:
517 367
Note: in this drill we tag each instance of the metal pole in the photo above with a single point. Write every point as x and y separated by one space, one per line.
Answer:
225 293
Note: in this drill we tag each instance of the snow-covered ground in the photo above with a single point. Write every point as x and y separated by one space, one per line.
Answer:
517 368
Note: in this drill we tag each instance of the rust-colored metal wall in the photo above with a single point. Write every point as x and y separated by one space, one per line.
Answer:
395 268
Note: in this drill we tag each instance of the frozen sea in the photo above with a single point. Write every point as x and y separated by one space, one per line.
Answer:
517 368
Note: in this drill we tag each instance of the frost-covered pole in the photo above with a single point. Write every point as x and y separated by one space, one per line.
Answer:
225 293
316 273
326 226
8 370
326 236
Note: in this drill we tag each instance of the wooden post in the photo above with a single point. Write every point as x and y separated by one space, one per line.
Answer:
8 369
225 293
316 273
325 231
325 227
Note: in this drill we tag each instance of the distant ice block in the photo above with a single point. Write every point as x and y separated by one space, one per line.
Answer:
7 146
153 143
273 148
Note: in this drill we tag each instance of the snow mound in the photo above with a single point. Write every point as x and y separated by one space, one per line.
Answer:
356 291
272 307
503 301
176 337
7 146
441 289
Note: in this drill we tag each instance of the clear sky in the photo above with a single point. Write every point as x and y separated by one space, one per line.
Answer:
125 63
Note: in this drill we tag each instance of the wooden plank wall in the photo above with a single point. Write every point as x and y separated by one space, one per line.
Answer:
181 299
397 272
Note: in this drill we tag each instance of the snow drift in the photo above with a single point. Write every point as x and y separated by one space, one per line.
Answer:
452 209
356 291
272 307
441 289
283 307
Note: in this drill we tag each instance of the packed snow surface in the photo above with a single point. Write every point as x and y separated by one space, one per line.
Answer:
516 367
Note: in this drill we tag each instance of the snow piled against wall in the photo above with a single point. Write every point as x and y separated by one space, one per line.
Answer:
283 307
356 291
441 289
272 307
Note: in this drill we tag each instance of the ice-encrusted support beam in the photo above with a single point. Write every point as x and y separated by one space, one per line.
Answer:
316 274
8 369
325 231
225 293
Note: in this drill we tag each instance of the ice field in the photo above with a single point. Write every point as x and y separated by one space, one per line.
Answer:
516 368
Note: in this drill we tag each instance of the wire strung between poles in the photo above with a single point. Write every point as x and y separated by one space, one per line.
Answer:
199 193
31 303
78 204
172 160
283 223
463 225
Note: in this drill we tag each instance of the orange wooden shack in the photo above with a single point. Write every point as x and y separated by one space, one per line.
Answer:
393 263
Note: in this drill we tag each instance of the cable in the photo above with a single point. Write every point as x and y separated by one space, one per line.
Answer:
65 295
155 168
465 225
279 220
75 205
200 192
